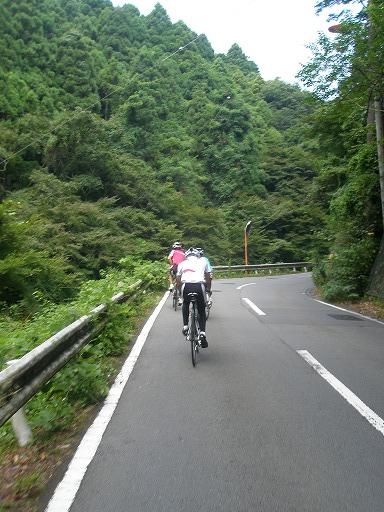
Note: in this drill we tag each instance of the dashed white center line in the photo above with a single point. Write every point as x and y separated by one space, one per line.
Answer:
244 285
346 393
253 306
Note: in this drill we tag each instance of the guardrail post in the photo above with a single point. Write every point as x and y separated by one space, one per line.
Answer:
294 269
19 421
305 269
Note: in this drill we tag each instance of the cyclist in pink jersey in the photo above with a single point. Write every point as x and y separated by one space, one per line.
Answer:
176 256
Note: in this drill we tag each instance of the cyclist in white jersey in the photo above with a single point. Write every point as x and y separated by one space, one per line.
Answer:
193 276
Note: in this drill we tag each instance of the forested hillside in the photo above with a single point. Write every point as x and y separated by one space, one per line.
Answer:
112 144
347 72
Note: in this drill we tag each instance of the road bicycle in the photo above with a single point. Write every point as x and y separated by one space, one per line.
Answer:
175 298
193 327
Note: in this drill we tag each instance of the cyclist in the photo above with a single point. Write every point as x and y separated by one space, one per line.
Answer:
193 276
175 257
200 250
209 293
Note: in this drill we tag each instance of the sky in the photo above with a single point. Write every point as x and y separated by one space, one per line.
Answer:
272 33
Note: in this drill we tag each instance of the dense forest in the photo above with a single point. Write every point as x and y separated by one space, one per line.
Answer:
120 133
347 74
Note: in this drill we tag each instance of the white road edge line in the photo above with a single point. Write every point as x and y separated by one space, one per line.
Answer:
349 311
244 285
66 491
253 306
346 393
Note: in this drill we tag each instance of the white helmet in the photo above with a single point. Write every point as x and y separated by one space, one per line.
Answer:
192 252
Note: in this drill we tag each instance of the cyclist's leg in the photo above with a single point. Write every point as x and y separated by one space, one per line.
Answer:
201 306
171 279
179 295
209 294
202 316
185 308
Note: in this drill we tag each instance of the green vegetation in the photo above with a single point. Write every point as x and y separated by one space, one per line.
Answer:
111 148
347 71
85 380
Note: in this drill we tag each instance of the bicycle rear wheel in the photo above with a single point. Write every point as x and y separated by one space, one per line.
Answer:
174 303
193 335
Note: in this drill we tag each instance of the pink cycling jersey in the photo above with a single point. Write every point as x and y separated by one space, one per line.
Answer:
176 256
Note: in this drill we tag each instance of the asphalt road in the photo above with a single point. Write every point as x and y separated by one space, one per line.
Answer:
253 427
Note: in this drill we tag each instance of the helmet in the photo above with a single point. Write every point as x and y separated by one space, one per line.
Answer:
177 245
192 252
200 251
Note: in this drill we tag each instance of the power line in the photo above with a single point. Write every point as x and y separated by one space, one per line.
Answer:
181 48
4 161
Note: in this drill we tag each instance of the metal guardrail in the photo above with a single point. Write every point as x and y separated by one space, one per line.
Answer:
262 266
24 377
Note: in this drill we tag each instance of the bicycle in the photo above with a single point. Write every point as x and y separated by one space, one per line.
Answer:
193 327
175 298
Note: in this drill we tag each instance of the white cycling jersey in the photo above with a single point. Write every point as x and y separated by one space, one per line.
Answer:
193 269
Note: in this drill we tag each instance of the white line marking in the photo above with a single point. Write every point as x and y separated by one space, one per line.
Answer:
66 491
346 393
253 306
348 311
244 285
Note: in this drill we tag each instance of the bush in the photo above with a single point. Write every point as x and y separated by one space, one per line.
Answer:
344 274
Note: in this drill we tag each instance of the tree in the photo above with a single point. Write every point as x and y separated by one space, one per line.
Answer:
236 56
348 71
355 62
121 132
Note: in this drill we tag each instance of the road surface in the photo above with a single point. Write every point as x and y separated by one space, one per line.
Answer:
254 427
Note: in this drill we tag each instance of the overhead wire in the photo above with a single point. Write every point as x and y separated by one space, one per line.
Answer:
4 161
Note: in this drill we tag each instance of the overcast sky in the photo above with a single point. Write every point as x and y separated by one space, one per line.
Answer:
273 33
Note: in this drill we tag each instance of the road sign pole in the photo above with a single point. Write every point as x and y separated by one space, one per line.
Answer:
245 248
